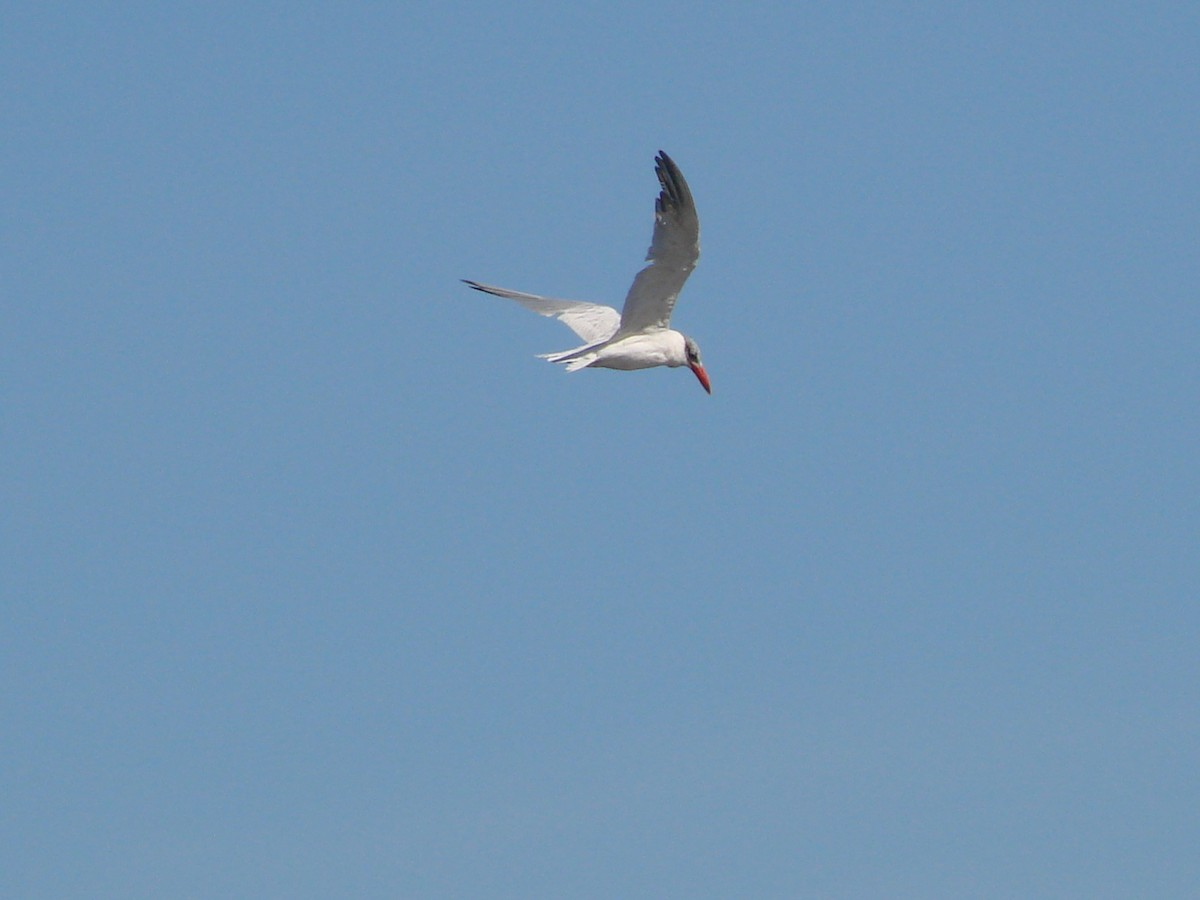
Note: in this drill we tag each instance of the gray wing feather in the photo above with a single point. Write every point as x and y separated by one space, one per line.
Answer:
591 321
673 252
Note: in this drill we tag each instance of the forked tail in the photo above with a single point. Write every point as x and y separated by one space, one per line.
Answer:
579 358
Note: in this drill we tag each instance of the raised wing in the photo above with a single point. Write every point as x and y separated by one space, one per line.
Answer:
591 321
673 253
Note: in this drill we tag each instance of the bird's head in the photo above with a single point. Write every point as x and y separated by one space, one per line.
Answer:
692 352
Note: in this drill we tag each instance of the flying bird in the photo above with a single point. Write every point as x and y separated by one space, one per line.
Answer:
639 336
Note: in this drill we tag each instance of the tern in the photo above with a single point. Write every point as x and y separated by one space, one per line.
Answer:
639 336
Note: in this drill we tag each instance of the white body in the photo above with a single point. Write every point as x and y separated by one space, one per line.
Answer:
639 351
639 336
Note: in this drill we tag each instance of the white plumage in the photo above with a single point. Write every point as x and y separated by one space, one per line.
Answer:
638 337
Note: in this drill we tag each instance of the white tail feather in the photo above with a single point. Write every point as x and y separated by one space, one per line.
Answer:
575 359
581 362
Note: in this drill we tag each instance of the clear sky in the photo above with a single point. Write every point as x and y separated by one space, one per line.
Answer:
316 583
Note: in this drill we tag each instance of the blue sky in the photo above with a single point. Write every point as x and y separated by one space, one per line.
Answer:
317 583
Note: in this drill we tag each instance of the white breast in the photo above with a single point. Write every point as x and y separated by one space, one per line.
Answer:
643 351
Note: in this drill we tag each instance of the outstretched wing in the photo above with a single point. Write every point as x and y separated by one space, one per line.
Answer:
591 321
673 253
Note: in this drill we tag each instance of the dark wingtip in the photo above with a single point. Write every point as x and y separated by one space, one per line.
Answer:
670 178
